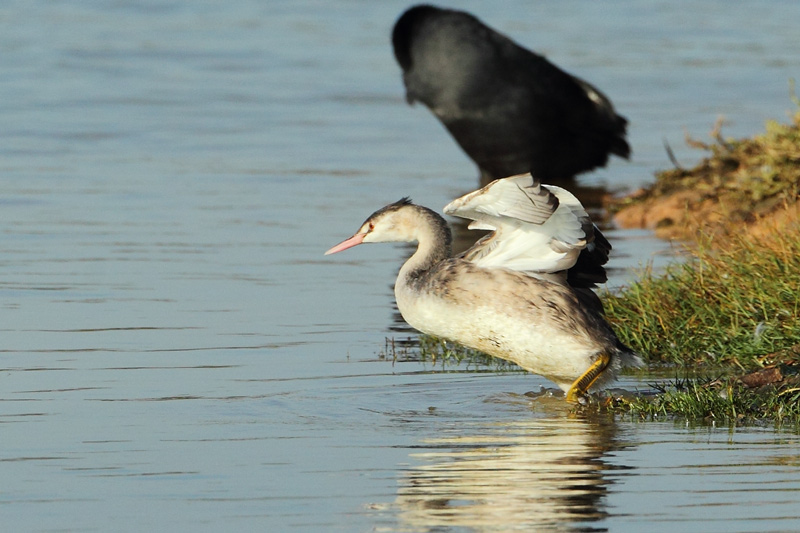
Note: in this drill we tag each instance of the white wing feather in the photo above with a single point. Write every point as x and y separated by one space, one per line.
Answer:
537 228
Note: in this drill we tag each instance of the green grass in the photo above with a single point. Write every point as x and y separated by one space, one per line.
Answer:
733 309
724 401
735 306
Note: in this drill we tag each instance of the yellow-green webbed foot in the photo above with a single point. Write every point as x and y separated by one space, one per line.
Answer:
582 385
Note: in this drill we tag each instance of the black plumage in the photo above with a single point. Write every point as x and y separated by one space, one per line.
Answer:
510 109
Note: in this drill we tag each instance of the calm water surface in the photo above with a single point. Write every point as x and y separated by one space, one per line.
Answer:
177 354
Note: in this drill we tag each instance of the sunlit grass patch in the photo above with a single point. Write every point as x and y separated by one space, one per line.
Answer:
736 305
733 309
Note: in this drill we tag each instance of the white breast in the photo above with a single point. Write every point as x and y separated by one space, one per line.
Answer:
537 347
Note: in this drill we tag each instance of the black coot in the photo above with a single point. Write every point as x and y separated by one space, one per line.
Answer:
509 109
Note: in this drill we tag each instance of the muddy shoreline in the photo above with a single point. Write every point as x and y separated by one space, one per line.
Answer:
741 185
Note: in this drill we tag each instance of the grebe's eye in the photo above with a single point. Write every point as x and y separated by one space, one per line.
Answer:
371 226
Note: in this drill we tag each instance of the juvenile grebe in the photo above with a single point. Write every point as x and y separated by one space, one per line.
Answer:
509 295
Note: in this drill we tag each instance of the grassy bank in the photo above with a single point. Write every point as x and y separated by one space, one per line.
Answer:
730 315
735 306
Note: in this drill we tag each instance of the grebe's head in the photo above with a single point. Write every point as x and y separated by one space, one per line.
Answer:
393 223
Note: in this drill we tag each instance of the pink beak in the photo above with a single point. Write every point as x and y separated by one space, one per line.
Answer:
355 240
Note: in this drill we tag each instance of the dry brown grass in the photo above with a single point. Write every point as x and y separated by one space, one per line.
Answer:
738 186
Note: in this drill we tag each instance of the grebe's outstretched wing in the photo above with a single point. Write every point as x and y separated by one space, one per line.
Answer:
538 229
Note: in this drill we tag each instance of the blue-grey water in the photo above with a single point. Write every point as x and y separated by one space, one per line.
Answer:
177 355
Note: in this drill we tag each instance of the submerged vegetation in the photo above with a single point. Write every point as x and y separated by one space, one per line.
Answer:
434 350
731 313
772 394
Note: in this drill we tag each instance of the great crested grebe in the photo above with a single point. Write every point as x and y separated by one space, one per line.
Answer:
509 295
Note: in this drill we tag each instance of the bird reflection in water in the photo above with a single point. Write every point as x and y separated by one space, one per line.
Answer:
529 473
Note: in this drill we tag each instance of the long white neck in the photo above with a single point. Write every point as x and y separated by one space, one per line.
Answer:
434 245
